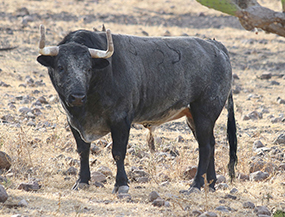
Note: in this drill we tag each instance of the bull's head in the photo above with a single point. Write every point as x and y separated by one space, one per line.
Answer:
71 66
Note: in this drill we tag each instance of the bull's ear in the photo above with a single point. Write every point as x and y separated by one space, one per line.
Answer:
47 61
100 63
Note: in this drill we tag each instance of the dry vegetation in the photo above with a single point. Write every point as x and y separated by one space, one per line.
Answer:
39 152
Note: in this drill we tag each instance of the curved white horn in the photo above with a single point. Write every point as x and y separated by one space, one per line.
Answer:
46 51
95 53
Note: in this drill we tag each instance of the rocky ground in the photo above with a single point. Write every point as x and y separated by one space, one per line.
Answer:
41 150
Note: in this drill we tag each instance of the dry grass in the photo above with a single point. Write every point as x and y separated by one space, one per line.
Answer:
36 153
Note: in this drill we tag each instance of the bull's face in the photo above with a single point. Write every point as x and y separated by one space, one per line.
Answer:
71 67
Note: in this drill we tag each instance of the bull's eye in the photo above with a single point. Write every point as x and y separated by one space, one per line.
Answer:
60 69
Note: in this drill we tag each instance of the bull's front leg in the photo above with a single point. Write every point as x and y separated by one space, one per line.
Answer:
120 135
83 150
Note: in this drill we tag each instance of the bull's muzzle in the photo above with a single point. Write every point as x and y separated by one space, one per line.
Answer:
77 99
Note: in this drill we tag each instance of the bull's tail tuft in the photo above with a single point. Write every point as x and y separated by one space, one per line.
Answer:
232 138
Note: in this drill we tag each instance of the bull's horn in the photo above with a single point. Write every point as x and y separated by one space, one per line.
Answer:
102 53
46 51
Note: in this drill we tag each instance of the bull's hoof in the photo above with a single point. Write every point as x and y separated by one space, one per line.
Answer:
190 191
120 189
80 185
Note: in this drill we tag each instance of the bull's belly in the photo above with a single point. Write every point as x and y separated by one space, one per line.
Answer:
167 116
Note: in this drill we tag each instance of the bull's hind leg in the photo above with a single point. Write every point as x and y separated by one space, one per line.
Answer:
202 124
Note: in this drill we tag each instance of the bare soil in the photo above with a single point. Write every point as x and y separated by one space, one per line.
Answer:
42 152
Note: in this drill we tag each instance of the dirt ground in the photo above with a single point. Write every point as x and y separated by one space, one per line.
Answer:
41 146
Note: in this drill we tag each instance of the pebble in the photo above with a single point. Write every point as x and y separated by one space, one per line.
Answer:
158 202
254 115
99 184
71 171
248 205
280 101
33 186
258 176
223 208
5 161
190 172
179 139
233 191
208 214
94 149
221 179
262 210
124 196
243 177
98 176
23 203
222 186
257 144
280 139
152 196
105 170
230 196
3 194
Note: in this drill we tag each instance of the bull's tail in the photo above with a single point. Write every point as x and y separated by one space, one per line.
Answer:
232 138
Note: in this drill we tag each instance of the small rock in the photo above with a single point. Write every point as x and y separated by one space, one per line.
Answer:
222 186
196 212
265 76
158 202
105 170
167 33
256 165
33 186
152 196
257 144
282 167
262 210
71 171
233 191
5 161
98 176
136 174
31 124
42 100
248 205
221 179
235 76
230 196
208 214
24 110
179 139
94 149
258 176
23 203
3 194
190 172
124 196
166 204
142 179
274 83
99 184
223 208
243 177
145 33
280 139
280 101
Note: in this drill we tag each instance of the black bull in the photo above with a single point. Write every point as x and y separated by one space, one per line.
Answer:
146 80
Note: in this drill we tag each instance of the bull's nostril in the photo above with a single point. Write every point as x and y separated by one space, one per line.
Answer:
77 99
